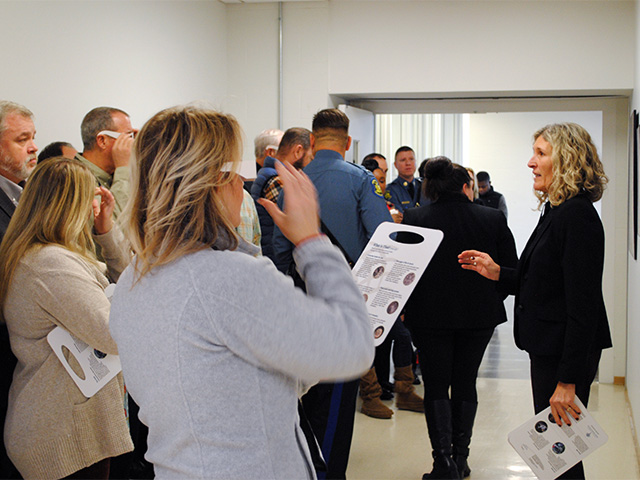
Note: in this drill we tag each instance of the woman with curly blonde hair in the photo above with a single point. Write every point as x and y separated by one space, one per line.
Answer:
214 341
576 167
560 317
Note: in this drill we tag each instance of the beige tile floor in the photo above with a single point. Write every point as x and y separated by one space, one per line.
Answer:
399 448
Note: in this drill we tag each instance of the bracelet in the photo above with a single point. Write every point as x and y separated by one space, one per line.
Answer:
310 237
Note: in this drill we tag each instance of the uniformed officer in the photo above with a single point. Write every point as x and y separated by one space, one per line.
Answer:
405 190
351 208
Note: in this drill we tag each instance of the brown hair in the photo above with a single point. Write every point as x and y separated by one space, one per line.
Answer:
331 125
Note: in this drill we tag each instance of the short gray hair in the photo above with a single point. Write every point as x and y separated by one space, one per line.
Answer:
7 108
267 139
98 119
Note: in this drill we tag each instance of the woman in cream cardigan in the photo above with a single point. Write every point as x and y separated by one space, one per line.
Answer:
49 277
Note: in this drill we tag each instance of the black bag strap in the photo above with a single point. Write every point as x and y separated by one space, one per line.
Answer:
292 271
316 454
335 241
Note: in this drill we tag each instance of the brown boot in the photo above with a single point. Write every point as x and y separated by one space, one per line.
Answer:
406 397
370 391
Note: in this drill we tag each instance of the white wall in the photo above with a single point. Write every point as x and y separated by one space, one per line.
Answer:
143 56
252 62
457 47
633 329
253 58
429 49
361 130
62 58
501 144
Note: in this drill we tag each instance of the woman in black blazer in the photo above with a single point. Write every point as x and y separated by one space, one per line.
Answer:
560 317
452 313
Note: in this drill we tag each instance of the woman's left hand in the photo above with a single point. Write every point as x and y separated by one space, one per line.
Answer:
563 405
103 211
481 263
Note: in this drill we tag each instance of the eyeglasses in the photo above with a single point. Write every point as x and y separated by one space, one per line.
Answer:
112 134
246 170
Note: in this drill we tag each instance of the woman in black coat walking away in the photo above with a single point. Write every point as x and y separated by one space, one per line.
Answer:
451 313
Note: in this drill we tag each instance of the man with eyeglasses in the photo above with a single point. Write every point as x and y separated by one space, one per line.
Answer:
107 136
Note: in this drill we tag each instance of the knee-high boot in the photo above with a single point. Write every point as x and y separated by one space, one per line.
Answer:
370 391
464 414
438 415
406 396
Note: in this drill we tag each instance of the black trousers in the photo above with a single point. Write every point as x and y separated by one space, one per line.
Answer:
451 358
330 409
544 380
97 471
7 365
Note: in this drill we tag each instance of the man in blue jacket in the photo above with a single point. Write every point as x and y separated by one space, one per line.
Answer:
351 208
405 190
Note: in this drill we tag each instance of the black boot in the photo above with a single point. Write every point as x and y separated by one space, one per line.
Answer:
438 415
464 414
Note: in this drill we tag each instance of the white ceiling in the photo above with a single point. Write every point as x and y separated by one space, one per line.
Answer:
263 1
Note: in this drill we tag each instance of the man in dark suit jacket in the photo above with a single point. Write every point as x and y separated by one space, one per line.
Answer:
17 161
6 210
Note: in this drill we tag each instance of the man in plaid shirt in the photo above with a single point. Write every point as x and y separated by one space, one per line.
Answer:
294 148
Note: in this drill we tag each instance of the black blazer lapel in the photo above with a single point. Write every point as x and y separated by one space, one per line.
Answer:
6 204
538 233
6 211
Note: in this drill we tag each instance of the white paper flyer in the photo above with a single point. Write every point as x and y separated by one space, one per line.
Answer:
388 271
550 450
98 368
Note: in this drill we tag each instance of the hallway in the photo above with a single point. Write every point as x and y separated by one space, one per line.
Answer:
399 448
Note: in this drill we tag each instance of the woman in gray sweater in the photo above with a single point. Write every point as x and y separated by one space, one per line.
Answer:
215 343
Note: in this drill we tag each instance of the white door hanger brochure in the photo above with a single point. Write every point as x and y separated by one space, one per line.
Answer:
388 271
98 368
550 450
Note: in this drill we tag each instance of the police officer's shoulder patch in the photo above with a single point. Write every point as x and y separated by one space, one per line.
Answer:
375 187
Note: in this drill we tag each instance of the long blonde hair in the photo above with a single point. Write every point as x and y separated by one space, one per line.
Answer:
54 208
179 162
576 165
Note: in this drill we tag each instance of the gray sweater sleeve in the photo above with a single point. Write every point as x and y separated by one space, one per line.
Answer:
264 319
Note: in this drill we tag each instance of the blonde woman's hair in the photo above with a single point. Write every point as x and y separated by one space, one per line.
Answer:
181 158
576 165
54 209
